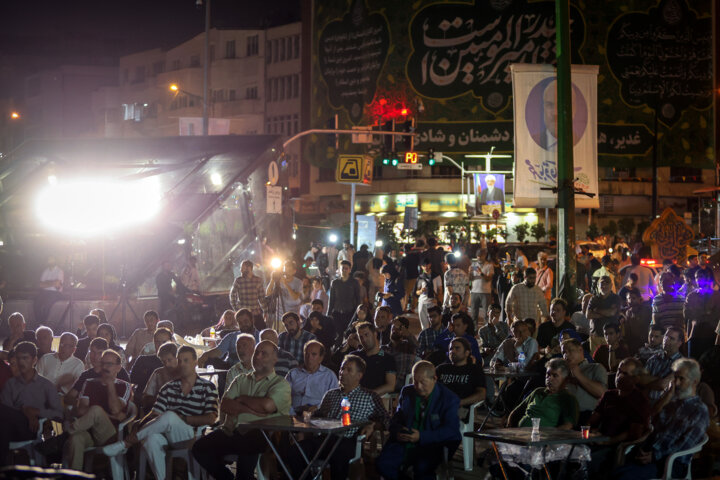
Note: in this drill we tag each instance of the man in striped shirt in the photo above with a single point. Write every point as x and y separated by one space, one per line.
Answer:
181 406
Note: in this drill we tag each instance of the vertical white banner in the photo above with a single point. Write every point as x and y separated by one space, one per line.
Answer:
535 123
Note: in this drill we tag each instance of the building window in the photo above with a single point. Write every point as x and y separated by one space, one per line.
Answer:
282 50
268 52
231 95
282 88
219 95
212 52
296 122
253 46
176 65
158 67
139 74
274 51
275 89
126 75
251 93
230 49
289 125
685 175
296 46
195 61
296 86
267 126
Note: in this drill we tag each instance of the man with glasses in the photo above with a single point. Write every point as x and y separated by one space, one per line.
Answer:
101 407
25 399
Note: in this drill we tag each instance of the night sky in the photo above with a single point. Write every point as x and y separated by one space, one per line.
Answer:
36 34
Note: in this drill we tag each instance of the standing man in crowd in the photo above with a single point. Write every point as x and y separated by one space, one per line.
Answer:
344 297
545 277
141 336
638 316
428 289
456 280
248 292
525 299
604 308
481 276
288 287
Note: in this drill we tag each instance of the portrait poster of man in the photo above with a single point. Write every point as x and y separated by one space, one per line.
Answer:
536 134
489 193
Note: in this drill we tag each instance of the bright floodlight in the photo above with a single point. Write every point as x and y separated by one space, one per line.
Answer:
90 207
276 263
378 243
333 238
216 179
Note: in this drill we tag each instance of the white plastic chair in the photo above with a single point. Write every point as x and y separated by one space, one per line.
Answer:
175 450
468 443
667 474
36 458
92 451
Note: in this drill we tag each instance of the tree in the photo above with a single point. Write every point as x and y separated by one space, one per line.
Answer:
537 230
611 229
521 231
641 227
553 232
593 231
626 226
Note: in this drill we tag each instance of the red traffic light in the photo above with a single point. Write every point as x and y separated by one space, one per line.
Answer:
404 112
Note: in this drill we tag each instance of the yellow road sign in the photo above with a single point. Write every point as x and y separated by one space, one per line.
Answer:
352 169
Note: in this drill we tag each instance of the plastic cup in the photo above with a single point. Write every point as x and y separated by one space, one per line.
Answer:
585 430
535 425
306 416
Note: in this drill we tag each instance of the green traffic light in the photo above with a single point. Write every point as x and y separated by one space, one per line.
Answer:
386 161
431 162
394 162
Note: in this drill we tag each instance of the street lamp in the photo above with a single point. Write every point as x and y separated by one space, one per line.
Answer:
14 115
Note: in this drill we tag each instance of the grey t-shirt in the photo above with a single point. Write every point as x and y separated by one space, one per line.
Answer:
593 371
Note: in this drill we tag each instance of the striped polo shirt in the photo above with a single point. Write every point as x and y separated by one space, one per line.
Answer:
203 398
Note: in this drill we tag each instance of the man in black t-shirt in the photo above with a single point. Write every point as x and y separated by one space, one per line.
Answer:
464 379
381 370
558 322
97 347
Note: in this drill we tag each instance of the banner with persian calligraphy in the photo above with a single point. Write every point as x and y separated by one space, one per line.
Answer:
535 110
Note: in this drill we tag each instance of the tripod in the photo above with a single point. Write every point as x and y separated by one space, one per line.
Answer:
123 303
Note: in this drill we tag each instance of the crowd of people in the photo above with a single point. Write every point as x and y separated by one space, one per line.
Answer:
631 355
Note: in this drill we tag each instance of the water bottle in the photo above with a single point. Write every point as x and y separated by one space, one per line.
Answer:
521 361
212 332
345 407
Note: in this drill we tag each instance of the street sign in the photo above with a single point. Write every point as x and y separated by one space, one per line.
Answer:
410 166
274 199
273 173
353 169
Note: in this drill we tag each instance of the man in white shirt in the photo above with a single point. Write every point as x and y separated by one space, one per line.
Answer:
481 275
62 368
525 299
289 288
51 286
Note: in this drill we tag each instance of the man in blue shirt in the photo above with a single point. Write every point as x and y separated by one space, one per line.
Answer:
425 422
310 382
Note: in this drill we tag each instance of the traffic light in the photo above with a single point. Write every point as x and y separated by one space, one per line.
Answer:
386 158
407 142
389 140
434 157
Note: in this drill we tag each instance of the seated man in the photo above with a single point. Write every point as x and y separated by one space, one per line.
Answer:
659 366
145 365
91 323
587 381
97 347
62 368
141 336
428 336
169 371
364 405
461 325
25 399
44 340
547 331
182 405
426 421
310 382
495 330
285 361
623 414
18 334
464 378
294 338
381 371
614 350
680 424
226 348
402 347
521 341
245 347
99 410
251 396
654 344
554 405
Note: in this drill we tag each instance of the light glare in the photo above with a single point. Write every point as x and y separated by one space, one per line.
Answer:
275 263
216 179
333 238
90 207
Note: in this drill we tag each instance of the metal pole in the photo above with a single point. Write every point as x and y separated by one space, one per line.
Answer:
655 166
206 68
566 184
352 214
716 110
